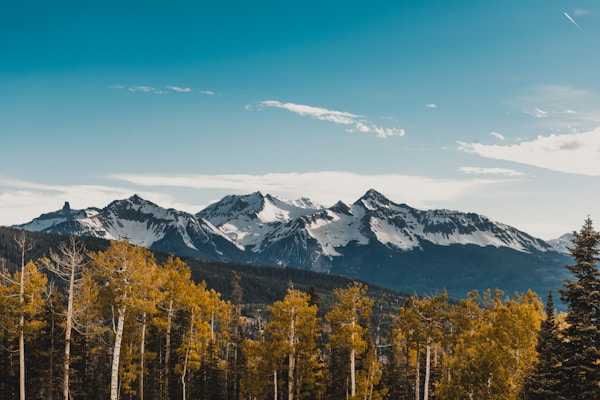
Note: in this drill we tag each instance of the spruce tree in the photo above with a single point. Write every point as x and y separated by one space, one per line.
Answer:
543 381
580 356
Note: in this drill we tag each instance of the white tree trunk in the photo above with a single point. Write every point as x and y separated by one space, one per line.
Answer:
21 358
22 328
114 376
142 354
352 371
275 384
185 361
68 329
352 363
167 350
427 373
291 359
418 379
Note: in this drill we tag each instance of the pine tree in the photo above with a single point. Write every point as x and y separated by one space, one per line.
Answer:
580 356
543 383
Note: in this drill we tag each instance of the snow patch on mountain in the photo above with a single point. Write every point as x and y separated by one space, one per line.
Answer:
248 219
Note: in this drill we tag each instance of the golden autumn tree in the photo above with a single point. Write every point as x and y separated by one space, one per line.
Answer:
293 330
123 274
68 264
23 299
348 337
494 347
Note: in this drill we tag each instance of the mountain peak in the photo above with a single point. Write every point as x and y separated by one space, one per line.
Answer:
66 208
136 199
372 198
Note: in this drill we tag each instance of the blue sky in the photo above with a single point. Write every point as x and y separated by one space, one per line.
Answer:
483 106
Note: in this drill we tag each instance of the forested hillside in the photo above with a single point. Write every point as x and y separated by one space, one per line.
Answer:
119 322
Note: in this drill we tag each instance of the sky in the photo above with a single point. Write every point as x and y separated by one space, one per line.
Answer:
490 107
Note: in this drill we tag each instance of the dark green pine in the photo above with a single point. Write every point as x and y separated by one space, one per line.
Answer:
544 382
580 367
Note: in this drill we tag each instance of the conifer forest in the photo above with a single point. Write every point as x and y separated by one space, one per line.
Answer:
122 323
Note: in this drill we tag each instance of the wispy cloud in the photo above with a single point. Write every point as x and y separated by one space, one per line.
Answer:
358 123
490 171
139 88
497 135
179 89
577 153
560 106
207 92
571 19
431 105
538 113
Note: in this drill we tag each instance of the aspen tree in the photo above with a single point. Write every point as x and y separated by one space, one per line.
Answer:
293 328
27 287
122 272
68 266
347 334
196 334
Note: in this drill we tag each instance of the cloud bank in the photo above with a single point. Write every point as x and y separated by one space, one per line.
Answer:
577 153
490 171
357 122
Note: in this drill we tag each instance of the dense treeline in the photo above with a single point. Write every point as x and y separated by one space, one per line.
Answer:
261 285
120 323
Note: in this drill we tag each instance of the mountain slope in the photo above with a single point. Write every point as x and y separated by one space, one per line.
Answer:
143 223
246 219
374 239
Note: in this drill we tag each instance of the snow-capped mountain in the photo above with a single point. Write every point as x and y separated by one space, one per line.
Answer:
247 219
143 223
562 243
323 235
373 239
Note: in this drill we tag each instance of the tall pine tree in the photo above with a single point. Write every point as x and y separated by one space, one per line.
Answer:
580 364
543 381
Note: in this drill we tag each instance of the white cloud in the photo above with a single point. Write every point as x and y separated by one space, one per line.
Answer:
357 122
431 105
145 89
207 92
490 171
179 89
577 153
139 88
538 113
497 135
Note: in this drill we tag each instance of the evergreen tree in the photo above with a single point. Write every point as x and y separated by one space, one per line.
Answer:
580 356
543 383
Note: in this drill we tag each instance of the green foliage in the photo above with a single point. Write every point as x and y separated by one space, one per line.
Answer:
580 349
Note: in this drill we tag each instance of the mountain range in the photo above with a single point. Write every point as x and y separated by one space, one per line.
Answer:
374 239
